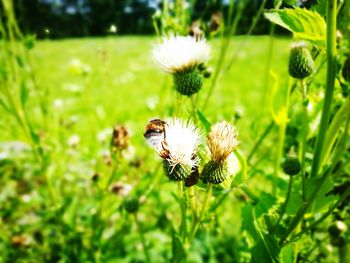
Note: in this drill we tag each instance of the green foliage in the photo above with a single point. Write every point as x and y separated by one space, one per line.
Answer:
303 23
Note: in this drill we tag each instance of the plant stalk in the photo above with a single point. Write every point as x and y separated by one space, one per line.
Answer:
331 72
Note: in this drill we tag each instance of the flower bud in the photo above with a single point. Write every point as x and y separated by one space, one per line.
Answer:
291 166
131 205
188 83
176 173
214 173
301 64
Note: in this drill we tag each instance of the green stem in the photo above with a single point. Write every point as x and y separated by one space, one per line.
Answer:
305 103
194 111
331 72
261 139
345 195
183 226
299 216
226 38
280 143
286 201
142 237
192 197
201 214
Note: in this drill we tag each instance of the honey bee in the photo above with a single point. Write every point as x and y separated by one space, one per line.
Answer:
155 133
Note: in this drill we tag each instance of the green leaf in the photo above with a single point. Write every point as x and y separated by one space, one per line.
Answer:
303 23
178 250
206 124
24 92
288 254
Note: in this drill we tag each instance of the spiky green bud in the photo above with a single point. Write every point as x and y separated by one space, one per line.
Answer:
177 173
291 166
131 205
188 83
214 173
301 64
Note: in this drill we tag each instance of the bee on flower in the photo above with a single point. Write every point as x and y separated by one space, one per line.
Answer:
222 140
183 57
176 143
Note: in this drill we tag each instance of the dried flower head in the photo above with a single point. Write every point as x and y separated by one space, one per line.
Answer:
222 140
178 53
120 139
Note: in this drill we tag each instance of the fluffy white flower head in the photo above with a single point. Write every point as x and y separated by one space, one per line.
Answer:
179 53
222 140
181 142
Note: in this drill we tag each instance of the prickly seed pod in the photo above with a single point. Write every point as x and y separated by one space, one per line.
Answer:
176 173
131 205
214 173
188 83
291 166
301 64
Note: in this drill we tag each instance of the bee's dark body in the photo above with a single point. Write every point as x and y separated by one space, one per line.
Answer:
155 127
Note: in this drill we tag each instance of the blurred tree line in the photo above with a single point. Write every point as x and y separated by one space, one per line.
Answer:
79 18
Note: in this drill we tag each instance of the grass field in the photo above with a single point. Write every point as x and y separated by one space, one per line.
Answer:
88 86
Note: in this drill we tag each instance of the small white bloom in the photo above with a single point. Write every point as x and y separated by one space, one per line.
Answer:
179 53
74 140
181 142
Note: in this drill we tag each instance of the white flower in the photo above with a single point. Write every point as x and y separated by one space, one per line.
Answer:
181 143
179 53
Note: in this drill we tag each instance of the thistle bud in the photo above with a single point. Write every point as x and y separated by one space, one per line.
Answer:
214 173
301 64
131 205
188 83
291 166
176 173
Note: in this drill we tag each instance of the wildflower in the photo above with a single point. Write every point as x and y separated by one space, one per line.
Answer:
301 63
222 140
178 148
74 140
181 57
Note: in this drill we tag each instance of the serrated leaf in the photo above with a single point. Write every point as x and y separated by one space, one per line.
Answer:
206 124
303 23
